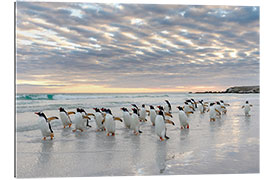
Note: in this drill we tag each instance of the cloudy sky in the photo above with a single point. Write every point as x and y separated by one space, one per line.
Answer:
87 47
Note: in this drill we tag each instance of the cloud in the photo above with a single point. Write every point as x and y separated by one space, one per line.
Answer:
136 45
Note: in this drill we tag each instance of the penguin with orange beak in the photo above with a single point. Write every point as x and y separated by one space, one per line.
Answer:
45 125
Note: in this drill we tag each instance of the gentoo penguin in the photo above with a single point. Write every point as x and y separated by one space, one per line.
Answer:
183 118
153 114
168 107
160 127
80 119
194 103
64 116
109 122
223 106
143 113
45 125
201 107
135 122
247 108
86 118
126 117
218 108
213 112
98 119
187 108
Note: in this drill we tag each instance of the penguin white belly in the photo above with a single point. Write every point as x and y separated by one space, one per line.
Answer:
109 124
212 113
98 120
44 127
143 114
153 116
247 109
79 121
134 125
182 118
64 118
160 126
200 107
187 109
127 119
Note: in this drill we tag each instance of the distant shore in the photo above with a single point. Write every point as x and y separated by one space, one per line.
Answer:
235 89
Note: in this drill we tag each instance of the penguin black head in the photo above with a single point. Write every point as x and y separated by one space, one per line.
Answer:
192 100
180 108
103 109
160 112
246 102
143 105
61 109
152 107
221 101
160 108
218 103
79 110
41 114
211 104
124 109
96 109
109 111
135 111
186 103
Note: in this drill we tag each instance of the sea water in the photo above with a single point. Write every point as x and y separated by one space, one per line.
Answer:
229 145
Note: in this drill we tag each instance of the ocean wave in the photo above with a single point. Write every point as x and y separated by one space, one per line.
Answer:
82 96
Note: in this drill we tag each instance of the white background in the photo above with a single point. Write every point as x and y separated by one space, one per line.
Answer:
8 74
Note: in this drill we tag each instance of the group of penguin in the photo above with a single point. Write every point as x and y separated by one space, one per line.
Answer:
105 121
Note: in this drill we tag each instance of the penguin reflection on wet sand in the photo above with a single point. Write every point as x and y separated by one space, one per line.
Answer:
45 125
160 126
247 108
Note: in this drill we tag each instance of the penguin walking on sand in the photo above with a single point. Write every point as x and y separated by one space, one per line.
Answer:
65 118
135 122
79 120
152 114
109 122
247 108
126 117
98 119
160 126
143 113
45 125
223 106
213 112
183 118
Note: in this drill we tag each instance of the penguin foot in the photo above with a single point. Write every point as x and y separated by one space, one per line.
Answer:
44 138
108 134
74 130
113 134
161 139
69 125
52 136
64 126
188 126
81 130
182 127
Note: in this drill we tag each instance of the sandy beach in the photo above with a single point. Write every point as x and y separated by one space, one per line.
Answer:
229 145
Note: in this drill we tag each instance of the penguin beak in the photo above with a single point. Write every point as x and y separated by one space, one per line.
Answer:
36 113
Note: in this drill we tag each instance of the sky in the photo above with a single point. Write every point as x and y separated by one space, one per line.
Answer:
117 48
